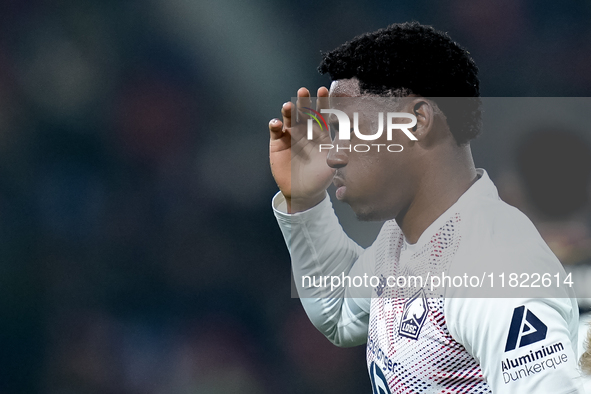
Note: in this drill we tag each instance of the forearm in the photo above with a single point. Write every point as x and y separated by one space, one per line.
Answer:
318 246
320 250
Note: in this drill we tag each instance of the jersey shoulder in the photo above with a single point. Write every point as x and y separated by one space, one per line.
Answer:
497 231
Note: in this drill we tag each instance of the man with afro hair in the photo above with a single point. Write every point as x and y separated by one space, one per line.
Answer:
443 218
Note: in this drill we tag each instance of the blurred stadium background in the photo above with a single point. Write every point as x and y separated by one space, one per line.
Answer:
138 250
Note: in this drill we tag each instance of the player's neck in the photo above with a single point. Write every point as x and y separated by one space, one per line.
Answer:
439 188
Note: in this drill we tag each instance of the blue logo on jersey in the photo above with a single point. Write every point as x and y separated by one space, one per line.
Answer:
413 316
380 288
379 384
525 328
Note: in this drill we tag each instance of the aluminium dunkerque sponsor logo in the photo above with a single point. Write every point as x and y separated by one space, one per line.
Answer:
344 132
525 330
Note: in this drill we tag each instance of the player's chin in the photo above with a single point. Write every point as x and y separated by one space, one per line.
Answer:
365 213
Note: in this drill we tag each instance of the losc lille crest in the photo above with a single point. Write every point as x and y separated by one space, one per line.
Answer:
414 315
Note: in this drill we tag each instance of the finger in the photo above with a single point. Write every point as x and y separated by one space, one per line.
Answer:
286 113
322 103
303 101
276 129
322 98
303 93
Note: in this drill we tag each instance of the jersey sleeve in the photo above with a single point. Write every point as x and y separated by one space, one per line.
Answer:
524 337
323 258
522 345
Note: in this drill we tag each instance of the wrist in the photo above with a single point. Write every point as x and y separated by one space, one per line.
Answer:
303 204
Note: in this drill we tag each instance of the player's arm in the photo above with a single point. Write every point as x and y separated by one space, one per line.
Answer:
523 336
318 246
322 257
526 343
522 345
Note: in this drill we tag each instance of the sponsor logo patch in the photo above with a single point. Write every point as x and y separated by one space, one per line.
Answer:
526 328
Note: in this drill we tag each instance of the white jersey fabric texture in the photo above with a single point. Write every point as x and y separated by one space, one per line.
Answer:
584 327
440 341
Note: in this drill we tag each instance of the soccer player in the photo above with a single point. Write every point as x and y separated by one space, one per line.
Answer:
442 215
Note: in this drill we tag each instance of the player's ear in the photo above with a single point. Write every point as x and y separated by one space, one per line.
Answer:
423 110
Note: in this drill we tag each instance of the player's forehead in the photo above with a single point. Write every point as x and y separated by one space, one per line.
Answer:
345 88
342 95
345 95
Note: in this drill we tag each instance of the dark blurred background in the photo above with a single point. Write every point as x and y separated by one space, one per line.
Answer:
138 249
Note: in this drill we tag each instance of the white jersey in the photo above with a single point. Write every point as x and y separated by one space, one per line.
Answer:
584 327
439 341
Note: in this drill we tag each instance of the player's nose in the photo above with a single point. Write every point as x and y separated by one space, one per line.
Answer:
337 156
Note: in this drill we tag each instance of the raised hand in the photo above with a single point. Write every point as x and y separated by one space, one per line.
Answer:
298 165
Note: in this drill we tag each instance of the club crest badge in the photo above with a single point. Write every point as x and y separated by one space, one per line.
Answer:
414 315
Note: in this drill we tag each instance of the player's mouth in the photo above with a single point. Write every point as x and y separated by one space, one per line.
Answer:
341 188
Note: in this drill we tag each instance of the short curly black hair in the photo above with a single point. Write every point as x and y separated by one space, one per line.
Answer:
418 59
